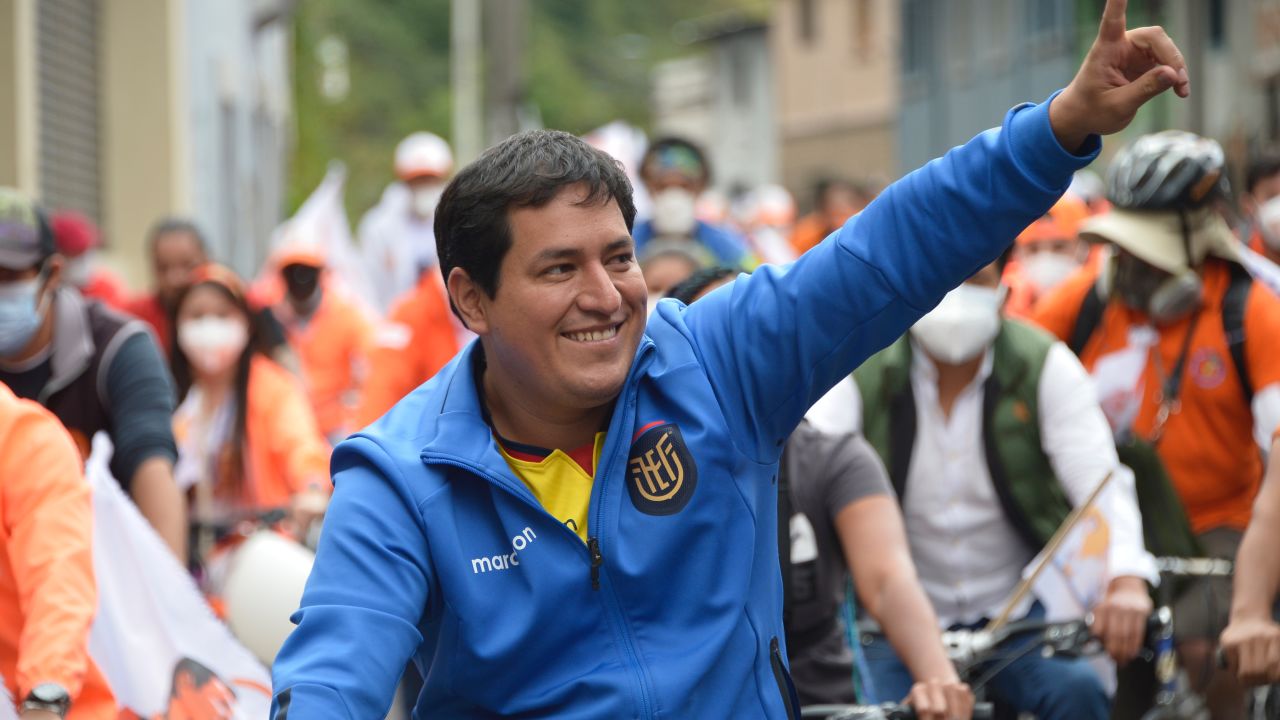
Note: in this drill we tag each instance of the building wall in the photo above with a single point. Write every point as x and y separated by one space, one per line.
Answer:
965 62
132 110
19 158
743 146
237 113
836 87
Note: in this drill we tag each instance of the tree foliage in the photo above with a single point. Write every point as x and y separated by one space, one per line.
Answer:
589 62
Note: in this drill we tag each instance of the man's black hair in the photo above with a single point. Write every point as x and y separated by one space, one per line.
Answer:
687 290
176 225
1262 165
200 675
473 231
672 141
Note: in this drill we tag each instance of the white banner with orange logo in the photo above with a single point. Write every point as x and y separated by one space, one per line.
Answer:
155 639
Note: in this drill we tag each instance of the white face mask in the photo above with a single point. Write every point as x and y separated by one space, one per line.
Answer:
963 325
425 199
213 344
1047 270
674 212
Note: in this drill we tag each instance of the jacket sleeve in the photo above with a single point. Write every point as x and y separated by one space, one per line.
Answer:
357 626
49 523
773 342
297 442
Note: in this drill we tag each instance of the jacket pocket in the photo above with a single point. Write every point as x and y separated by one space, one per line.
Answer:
780 675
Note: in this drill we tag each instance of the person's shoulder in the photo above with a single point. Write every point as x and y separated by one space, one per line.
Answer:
270 383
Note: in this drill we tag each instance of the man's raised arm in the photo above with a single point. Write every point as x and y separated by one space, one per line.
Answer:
780 339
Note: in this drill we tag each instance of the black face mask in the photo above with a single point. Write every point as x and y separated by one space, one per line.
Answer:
301 281
1136 282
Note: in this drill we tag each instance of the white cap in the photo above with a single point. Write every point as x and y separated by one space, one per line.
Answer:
422 154
1155 236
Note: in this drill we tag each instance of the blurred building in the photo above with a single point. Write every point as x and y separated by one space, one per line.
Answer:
723 100
836 90
965 61
130 110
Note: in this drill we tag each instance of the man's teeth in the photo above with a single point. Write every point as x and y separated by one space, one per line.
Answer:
594 335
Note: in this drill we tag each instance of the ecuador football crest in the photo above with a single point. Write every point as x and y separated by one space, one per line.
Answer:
661 475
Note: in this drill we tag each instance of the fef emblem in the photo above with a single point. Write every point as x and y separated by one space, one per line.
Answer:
661 475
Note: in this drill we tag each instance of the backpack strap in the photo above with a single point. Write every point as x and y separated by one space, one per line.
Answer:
1087 319
784 533
902 437
1233 306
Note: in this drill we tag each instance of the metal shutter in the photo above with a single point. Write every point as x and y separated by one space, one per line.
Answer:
67 52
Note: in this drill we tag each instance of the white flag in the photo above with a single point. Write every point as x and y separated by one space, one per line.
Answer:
7 708
155 638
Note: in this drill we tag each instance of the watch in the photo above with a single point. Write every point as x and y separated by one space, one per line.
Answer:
50 697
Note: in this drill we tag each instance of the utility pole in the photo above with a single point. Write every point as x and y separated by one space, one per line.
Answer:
506 32
465 70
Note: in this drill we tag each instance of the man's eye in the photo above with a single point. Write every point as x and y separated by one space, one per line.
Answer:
558 269
624 258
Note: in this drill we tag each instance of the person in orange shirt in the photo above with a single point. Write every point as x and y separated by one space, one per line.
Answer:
417 339
1045 254
77 240
47 591
247 438
836 202
1181 345
329 334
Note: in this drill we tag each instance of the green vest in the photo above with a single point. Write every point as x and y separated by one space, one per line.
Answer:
1030 494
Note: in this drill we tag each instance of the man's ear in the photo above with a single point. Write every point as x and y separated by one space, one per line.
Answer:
468 298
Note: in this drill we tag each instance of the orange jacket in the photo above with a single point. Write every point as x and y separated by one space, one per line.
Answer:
287 453
106 286
47 591
811 230
332 348
416 341
1208 444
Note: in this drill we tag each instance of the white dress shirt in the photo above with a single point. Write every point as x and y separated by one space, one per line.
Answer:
968 556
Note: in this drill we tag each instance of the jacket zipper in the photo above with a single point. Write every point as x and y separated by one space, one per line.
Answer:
593 547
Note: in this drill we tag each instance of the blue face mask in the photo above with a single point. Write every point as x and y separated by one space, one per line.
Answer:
19 315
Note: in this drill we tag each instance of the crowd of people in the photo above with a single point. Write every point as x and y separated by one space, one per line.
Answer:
529 333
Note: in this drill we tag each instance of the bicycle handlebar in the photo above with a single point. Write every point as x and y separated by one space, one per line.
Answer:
885 711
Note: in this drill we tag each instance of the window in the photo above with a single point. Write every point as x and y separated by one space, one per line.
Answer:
808 20
917 41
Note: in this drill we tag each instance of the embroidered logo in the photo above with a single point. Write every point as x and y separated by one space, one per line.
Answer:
1208 369
661 474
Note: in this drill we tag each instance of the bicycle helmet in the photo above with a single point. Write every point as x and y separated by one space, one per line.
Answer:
1169 170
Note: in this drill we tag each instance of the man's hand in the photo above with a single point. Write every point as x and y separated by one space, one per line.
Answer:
1120 618
1252 647
1123 70
936 699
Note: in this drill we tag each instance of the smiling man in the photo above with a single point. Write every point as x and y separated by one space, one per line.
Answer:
618 472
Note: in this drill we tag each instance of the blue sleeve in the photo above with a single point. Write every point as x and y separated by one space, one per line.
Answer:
357 626
140 401
774 342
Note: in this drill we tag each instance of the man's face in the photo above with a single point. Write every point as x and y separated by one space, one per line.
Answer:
176 256
839 203
569 310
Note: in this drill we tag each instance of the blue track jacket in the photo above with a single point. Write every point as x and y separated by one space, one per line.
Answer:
433 550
